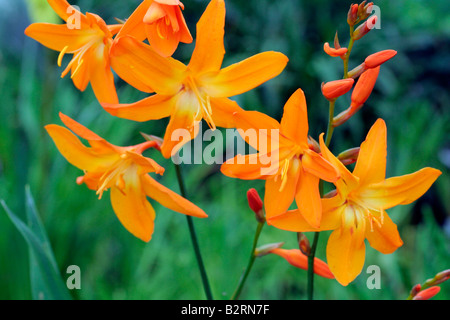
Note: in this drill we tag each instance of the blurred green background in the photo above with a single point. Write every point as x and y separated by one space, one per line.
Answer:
411 94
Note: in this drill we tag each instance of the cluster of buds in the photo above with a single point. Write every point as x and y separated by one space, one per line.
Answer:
429 289
365 73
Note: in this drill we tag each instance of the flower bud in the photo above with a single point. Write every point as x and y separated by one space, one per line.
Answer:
255 203
313 144
352 15
442 276
349 156
364 28
303 243
415 290
376 59
159 141
332 51
266 249
365 10
357 71
334 89
427 293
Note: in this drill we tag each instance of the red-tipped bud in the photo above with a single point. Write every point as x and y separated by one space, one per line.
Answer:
352 15
364 28
297 259
255 203
366 11
332 51
415 290
349 156
376 59
267 248
360 94
303 243
158 140
334 89
427 293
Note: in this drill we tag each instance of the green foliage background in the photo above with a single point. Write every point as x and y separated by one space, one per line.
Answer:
411 95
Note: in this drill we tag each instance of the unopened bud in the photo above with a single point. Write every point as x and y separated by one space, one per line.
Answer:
364 28
352 15
364 86
303 243
415 290
267 248
442 276
334 89
366 11
376 59
159 141
333 52
427 293
349 156
255 203
313 144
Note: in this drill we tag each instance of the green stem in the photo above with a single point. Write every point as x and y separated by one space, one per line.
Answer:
194 239
349 50
330 128
311 256
238 290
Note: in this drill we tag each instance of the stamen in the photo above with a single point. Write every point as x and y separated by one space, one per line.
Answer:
61 55
284 172
158 31
76 69
205 105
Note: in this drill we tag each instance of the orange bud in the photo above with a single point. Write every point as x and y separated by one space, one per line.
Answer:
158 140
352 14
364 28
332 51
334 89
376 59
360 94
255 203
427 293
313 144
297 259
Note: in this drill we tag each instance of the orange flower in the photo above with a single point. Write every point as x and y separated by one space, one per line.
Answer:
123 170
189 93
297 173
357 211
161 22
297 259
89 39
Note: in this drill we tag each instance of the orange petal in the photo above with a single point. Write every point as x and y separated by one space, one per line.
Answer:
319 166
209 49
348 181
371 164
223 112
307 198
385 237
294 124
244 76
101 77
345 255
399 190
165 41
297 259
134 211
170 199
141 66
280 191
58 36
248 167
134 25
151 108
75 152
364 86
332 51
65 10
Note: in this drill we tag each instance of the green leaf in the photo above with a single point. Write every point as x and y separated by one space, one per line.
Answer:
46 281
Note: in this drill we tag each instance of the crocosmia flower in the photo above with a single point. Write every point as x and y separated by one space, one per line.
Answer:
161 22
188 94
297 169
122 170
89 39
357 211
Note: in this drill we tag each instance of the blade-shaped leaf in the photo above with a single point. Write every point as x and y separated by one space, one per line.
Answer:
46 281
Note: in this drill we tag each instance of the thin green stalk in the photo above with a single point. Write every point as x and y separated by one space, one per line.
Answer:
238 290
311 256
349 50
330 128
194 239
